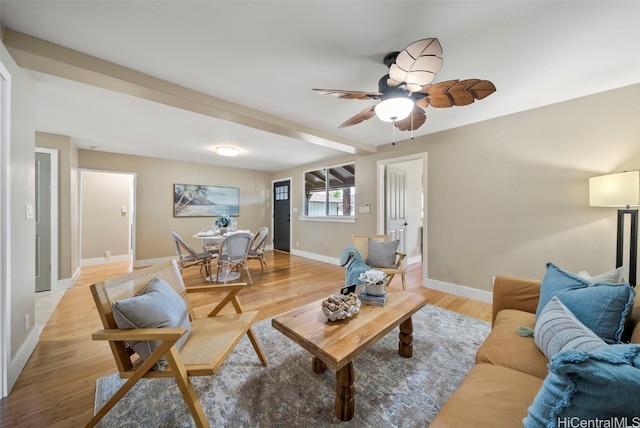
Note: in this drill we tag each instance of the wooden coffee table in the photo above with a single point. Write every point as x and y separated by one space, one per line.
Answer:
336 344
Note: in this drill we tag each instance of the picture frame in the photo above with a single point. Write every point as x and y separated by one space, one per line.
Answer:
196 200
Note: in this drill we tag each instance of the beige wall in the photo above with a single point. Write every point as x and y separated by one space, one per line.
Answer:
503 196
506 195
104 226
154 198
21 230
68 222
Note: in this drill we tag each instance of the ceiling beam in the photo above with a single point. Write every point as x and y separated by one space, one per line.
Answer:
42 56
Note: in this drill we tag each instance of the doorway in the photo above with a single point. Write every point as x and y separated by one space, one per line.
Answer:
107 217
282 215
402 183
46 219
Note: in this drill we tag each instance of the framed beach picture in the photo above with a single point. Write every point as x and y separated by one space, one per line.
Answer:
193 200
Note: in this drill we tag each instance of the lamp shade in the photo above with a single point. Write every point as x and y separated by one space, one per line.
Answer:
396 108
615 190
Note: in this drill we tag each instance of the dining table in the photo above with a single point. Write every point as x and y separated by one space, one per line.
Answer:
215 238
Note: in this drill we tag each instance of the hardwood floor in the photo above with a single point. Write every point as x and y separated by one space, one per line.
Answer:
57 386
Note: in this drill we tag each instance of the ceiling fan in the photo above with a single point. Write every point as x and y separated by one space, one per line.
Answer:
407 89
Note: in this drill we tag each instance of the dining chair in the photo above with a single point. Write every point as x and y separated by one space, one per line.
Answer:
233 254
188 257
256 251
381 244
192 347
209 245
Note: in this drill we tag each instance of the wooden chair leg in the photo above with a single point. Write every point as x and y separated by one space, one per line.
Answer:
188 393
137 375
404 282
256 346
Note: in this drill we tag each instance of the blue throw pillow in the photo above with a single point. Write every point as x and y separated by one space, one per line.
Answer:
581 387
601 307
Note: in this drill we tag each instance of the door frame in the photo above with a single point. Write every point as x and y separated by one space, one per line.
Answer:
381 195
5 228
273 210
54 213
132 208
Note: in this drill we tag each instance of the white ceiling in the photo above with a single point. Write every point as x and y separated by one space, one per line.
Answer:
267 55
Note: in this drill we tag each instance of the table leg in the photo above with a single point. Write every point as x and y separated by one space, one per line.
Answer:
405 346
345 403
317 365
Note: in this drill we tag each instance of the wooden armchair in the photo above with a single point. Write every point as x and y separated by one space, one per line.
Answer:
361 243
210 341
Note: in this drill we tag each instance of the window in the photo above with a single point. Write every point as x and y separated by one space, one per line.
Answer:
330 191
281 192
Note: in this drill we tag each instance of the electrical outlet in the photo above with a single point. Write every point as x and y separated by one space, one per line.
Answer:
107 254
297 244
26 322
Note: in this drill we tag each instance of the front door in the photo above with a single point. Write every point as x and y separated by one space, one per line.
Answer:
43 221
396 206
282 215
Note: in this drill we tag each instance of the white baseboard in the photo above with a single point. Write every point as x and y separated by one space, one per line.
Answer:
317 257
22 356
151 262
104 260
68 282
459 290
414 259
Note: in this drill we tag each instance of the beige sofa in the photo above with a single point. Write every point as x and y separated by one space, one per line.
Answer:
509 369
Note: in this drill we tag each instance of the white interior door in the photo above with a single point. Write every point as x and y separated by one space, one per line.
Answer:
396 205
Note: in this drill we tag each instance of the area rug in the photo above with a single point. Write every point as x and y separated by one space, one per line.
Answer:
390 391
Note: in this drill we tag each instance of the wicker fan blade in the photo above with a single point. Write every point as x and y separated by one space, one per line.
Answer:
360 117
350 95
419 117
417 64
458 92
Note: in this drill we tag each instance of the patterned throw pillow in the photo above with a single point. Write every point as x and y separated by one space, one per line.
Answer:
557 330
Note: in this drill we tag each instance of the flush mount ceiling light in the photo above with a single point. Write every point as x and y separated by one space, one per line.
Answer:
227 151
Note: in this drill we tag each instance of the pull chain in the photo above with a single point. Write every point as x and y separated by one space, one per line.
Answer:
393 132
412 125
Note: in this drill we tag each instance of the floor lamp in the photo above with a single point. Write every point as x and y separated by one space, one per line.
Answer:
620 190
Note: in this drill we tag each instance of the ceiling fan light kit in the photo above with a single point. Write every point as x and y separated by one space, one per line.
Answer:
392 109
407 89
